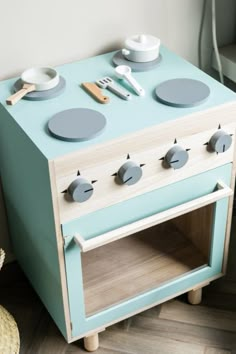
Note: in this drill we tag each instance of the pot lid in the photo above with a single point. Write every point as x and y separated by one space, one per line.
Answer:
142 42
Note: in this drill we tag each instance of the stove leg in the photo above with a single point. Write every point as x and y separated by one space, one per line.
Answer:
195 296
91 343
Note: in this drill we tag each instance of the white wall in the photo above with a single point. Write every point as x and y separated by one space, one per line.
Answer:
51 32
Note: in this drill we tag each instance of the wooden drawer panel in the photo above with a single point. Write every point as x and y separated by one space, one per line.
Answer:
101 164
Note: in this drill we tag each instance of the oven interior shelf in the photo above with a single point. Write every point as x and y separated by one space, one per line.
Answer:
130 266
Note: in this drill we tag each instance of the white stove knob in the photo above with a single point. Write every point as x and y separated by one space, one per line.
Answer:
80 190
176 157
130 173
220 141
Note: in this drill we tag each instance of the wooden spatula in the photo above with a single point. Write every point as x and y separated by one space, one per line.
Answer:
96 92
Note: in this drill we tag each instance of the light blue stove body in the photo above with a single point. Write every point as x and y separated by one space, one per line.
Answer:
25 153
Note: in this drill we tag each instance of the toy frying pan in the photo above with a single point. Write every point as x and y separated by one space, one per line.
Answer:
35 79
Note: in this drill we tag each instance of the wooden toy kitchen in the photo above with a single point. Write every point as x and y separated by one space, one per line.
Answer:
114 208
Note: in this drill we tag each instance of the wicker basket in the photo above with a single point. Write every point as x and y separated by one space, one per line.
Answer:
9 334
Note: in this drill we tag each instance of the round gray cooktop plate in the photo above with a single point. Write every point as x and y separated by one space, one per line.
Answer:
77 124
119 59
42 95
182 92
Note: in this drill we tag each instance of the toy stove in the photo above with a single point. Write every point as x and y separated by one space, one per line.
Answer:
108 227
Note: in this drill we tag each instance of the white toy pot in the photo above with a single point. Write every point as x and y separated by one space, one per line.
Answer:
141 48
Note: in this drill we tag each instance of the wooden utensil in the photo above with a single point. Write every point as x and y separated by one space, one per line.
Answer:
95 91
26 88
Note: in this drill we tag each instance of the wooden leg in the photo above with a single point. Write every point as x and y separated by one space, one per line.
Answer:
91 343
195 296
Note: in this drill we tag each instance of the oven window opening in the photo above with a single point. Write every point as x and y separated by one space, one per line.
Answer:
145 260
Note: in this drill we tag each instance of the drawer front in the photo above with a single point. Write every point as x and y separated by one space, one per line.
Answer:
164 198
101 165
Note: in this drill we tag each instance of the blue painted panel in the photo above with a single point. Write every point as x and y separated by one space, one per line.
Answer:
122 117
190 188
26 185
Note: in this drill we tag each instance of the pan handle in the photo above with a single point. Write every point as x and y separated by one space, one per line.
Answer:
13 99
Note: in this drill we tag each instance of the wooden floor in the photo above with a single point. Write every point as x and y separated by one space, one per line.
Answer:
171 328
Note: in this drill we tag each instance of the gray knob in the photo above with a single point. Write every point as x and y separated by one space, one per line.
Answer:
80 190
130 173
220 141
176 157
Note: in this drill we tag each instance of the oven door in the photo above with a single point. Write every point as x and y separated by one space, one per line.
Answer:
128 257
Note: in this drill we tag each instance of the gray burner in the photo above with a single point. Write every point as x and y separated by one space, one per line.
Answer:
77 124
119 59
182 92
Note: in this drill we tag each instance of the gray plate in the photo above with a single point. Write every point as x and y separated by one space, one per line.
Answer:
119 59
182 92
77 124
42 95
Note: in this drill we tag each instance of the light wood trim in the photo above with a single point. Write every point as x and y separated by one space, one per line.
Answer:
200 233
107 192
13 99
145 146
95 91
60 250
157 135
91 343
222 192
195 296
201 286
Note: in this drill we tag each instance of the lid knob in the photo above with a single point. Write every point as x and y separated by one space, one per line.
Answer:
142 38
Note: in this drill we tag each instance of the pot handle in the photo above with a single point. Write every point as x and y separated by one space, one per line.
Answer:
125 52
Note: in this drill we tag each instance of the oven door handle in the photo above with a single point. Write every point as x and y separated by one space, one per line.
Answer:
222 191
